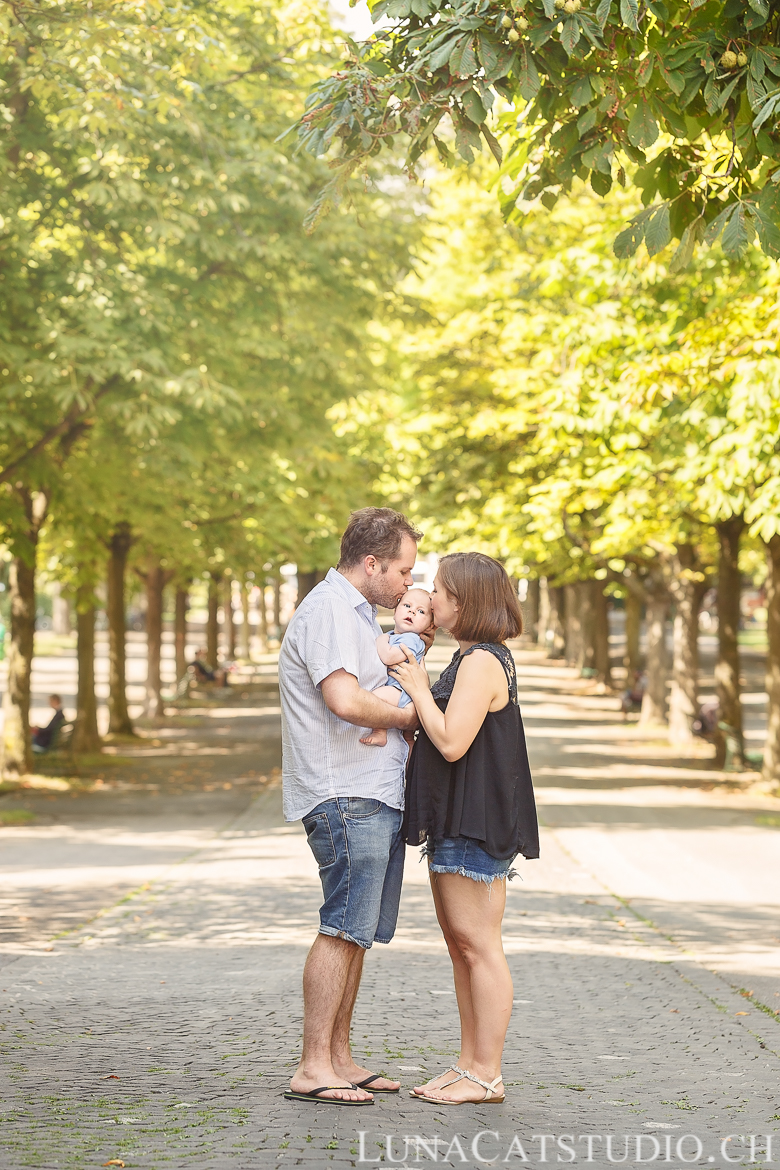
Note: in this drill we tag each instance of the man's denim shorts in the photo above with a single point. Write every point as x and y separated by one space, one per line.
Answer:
358 846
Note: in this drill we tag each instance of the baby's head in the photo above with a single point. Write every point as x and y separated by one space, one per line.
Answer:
413 614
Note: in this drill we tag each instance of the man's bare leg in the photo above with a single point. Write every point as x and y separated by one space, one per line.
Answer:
378 737
341 1053
326 978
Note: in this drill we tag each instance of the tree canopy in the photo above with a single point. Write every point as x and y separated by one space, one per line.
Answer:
679 100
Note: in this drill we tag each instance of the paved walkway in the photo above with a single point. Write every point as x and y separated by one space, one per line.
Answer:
161 1033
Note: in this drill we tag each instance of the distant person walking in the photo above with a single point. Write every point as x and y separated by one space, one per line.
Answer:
348 794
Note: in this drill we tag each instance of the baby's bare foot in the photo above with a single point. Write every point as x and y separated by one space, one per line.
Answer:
375 738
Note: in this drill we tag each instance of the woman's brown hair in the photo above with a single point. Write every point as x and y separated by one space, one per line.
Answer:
489 610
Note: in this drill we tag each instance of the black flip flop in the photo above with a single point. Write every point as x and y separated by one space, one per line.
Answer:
370 1080
314 1095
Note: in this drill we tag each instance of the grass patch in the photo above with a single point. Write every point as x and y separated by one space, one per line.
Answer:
773 822
16 816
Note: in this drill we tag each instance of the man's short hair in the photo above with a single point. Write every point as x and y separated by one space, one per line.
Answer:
374 532
55 699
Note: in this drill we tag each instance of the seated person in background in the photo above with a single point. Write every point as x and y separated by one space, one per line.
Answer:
413 617
203 672
43 736
632 698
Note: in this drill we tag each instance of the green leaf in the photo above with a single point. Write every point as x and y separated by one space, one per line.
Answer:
442 54
463 60
756 94
683 254
643 128
716 227
629 13
581 92
658 232
467 137
601 184
711 95
761 7
570 34
493 143
645 70
737 232
673 78
627 241
602 12
769 108
673 118
527 74
767 229
599 157
727 92
473 106
587 121
549 8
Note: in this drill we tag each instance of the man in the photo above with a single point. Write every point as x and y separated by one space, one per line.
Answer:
42 736
349 795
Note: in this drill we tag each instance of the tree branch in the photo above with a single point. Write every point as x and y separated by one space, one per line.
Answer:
73 420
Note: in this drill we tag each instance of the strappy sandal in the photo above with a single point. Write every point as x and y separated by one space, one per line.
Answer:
490 1098
453 1068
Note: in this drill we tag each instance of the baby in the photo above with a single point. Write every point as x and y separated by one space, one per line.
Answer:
413 616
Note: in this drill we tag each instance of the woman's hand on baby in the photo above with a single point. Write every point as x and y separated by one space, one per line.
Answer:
412 676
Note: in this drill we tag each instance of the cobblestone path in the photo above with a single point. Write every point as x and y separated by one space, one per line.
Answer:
162 1032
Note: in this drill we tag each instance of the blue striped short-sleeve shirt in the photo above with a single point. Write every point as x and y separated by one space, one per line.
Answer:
334 628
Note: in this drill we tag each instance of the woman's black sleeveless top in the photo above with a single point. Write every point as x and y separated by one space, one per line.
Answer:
488 793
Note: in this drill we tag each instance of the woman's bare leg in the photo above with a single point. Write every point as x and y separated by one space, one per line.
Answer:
462 980
473 912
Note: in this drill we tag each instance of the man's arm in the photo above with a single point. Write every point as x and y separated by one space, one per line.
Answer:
346 698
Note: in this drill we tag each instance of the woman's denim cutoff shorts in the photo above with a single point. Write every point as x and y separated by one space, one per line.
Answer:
466 856
357 844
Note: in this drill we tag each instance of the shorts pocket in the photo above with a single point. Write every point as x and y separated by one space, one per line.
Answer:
320 839
360 807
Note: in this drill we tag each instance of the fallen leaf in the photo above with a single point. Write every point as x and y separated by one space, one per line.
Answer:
741 1013
112 1077
671 1010
114 1162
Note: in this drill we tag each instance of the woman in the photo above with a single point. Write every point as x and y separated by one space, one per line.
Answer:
470 800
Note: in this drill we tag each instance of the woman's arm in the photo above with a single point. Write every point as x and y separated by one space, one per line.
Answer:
390 655
480 684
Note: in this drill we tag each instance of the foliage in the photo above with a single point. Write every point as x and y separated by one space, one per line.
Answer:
680 100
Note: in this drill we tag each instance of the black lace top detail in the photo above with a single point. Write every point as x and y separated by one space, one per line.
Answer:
443 687
487 794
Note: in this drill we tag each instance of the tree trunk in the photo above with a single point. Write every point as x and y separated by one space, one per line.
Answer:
771 770
306 582
17 750
60 611
119 722
531 608
727 668
212 621
587 591
277 606
85 732
556 636
155 584
262 613
601 662
688 592
180 632
633 657
654 701
230 625
579 625
244 641
544 613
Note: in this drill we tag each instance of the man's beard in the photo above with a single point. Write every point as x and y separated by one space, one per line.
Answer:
379 593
